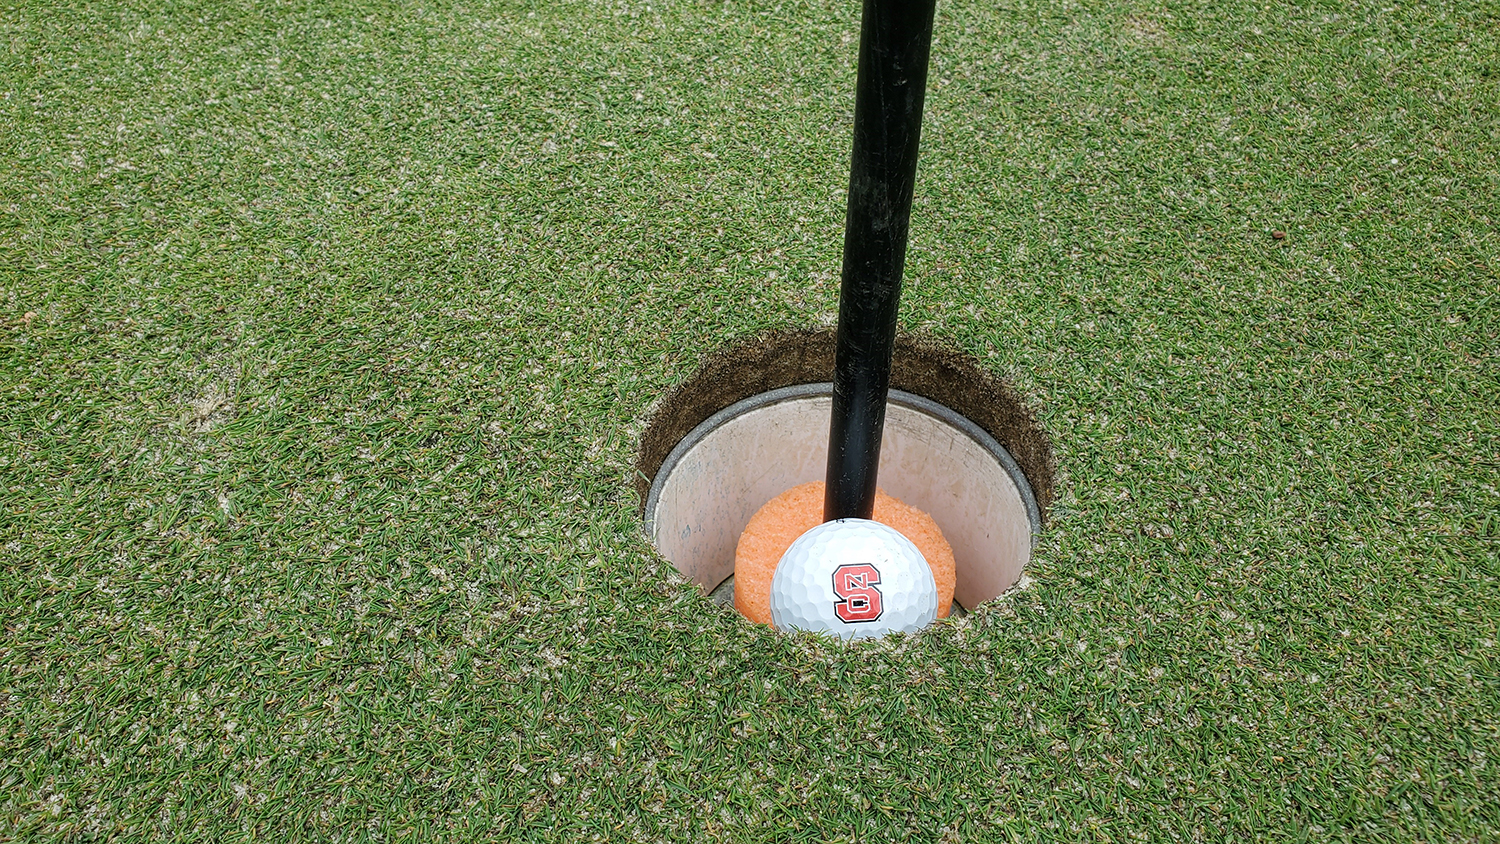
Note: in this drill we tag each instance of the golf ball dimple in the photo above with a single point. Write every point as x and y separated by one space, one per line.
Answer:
853 578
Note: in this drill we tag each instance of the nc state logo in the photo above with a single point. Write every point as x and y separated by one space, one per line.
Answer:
859 600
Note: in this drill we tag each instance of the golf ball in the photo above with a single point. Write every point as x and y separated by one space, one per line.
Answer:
853 578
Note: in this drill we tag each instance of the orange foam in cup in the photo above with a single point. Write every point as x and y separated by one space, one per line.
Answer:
777 525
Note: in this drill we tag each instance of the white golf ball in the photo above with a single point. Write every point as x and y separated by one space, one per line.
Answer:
853 578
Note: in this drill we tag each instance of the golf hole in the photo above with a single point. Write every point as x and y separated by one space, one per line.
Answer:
753 422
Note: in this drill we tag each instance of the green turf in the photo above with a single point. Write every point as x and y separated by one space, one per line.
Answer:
326 331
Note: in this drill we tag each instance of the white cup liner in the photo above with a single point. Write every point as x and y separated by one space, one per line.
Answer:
932 458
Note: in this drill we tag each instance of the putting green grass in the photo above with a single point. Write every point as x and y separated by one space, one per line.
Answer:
327 329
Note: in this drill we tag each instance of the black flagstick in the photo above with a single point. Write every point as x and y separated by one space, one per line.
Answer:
895 39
